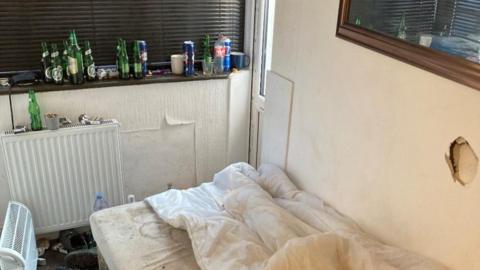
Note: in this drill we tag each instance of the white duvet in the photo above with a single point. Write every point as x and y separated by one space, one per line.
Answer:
248 219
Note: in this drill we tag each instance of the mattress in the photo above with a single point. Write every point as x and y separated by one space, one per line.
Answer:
243 219
133 237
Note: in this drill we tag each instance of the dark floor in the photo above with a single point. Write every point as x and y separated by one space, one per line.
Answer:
54 260
80 243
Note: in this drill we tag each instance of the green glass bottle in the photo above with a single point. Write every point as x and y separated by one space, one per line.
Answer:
118 50
46 68
402 28
207 49
66 73
75 60
124 64
88 63
358 21
137 62
34 111
56 64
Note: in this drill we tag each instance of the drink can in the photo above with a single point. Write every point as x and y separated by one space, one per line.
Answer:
228 49
142 45
189 57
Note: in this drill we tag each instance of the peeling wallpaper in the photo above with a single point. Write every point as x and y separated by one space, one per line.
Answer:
155 153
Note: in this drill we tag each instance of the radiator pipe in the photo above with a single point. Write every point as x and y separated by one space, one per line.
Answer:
11 106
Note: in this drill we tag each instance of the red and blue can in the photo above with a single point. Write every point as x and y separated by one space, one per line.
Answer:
142 45
189 57
227 66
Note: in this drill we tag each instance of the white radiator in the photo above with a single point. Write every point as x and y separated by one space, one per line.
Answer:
57 173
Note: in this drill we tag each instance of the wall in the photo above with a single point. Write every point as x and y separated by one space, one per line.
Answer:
179 133
369 134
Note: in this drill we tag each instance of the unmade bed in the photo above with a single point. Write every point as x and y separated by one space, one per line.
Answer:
132 237
244 219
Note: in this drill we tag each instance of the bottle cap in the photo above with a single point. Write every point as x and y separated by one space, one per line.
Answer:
99 195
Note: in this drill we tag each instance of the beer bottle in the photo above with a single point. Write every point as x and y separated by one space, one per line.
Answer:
34 111
124 64
75 60
66 73
88 62
119 49
56 65
207 50
358 21
137 62
46 69
402 28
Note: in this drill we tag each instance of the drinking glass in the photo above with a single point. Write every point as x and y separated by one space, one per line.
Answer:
218 65
207 65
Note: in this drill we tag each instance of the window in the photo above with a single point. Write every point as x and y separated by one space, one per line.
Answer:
261 63
267 43
385 16
263 57
449 26
164 24
459 18
442 36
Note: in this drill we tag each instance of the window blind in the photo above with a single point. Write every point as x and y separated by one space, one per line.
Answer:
462 18
163 24
439 17
385 15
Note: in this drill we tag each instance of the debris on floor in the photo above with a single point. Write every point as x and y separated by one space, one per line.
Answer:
73 250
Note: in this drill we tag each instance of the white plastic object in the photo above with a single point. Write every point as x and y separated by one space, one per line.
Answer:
18 247
131 198
100 202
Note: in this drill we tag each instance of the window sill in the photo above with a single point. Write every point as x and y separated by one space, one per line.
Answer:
44 87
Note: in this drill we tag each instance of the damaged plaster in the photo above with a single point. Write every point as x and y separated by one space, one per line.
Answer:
463 161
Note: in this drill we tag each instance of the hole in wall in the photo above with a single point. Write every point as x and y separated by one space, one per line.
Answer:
463 161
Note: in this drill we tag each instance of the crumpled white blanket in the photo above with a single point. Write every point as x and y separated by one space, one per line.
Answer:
248 219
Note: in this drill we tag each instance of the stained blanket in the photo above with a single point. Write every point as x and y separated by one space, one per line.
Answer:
248 219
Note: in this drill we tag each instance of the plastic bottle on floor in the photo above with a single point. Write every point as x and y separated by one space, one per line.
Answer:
100 202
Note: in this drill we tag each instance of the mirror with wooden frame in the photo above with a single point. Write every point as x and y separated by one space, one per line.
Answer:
442 36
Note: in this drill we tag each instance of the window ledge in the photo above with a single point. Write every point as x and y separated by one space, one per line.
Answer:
44 87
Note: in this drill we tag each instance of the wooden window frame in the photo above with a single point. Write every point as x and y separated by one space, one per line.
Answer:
440 63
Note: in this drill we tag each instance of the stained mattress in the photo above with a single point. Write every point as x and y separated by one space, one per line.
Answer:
133 237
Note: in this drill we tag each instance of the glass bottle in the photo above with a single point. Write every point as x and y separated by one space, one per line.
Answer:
402 28
66 73
118 51
75 60
124 71
88 62
207 63
207 51
137 61
46 68
56 65
358 21
34 111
